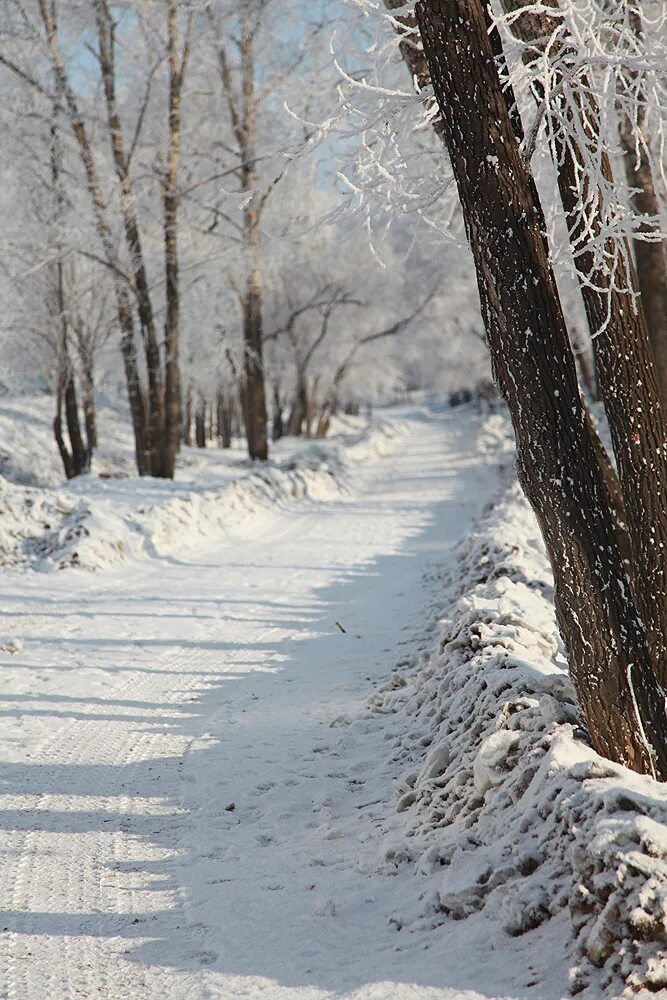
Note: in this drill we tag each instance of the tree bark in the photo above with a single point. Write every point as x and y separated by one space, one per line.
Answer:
88 401
611 665
278 429
415 59
77 458
156 423
172 390
299 408
187 417
243 119
623 354
200 424
651 255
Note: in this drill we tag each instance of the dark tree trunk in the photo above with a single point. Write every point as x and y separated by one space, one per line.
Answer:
76 457
651 255
624 359
277 429
299 407
187 417
224 420
227 424
200 425
254 390
88 401
311 406
80 454
415 59
621 701
65 456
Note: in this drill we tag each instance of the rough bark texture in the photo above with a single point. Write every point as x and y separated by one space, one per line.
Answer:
611 666
623 354
651 257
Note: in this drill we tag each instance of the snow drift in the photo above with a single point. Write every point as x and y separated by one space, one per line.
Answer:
508 807
95 522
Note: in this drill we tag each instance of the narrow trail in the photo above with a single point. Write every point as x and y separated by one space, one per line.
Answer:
193 803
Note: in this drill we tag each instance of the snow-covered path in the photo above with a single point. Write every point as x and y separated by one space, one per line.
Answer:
194 806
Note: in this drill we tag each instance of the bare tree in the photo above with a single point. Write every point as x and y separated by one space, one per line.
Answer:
241 98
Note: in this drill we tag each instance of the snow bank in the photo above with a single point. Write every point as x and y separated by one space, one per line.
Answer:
505 804
28 452
94 523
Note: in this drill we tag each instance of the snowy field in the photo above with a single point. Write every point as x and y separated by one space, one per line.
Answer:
306 733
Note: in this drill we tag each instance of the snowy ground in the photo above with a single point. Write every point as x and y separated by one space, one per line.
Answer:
198 798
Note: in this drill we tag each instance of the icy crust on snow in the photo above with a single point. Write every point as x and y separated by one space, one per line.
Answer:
508 808
93 524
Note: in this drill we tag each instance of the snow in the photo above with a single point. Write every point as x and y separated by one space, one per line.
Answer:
111 516
212 791
526 823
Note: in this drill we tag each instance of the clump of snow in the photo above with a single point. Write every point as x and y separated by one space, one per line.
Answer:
504 801
95 522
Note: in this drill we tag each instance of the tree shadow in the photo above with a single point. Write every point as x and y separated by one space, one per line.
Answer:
269 878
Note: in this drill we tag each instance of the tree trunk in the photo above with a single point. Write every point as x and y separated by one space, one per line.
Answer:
223 427
187 417
415 59
123 303
311 406
299 407
156 402
277 429
80 454
226 422
651 256
89 408
624 359
200 424
172 390
76 459
621 701
65 456
255 391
